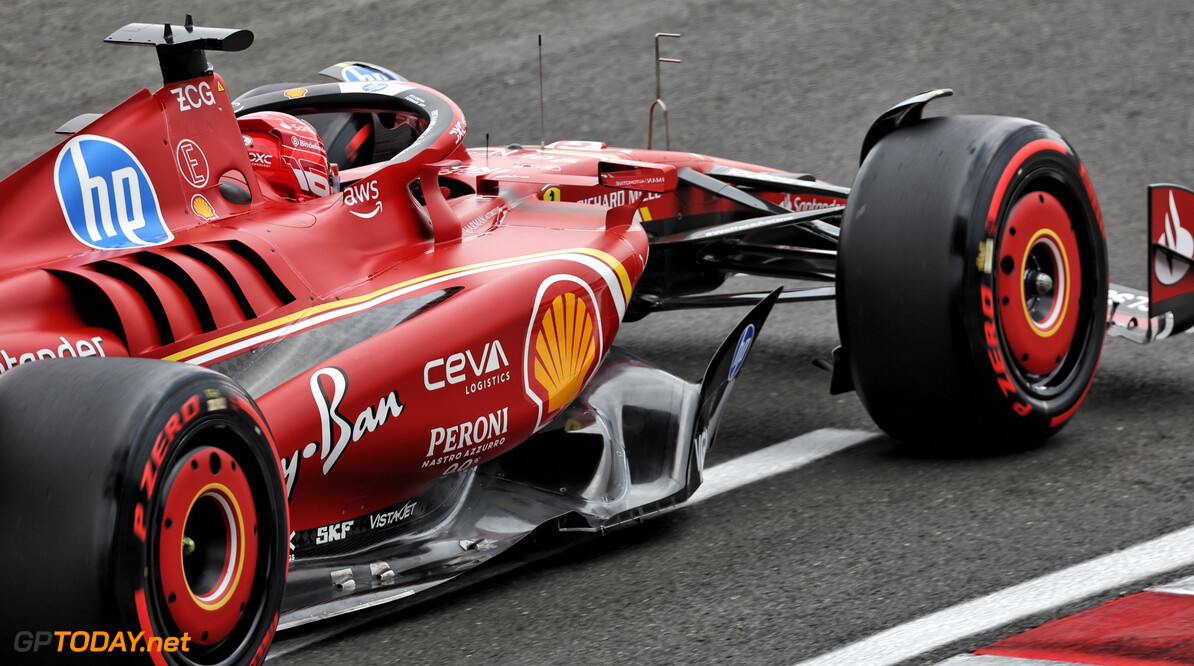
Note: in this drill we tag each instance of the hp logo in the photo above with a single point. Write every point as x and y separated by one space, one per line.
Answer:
106 196
355 73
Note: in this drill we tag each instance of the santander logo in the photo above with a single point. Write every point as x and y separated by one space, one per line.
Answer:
1176 238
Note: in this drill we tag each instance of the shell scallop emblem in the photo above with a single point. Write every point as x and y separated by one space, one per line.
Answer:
565 349
202 207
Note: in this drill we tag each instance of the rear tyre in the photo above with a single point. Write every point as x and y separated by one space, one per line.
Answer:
972 282
144 497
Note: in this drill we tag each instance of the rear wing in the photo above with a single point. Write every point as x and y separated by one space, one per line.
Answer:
181 48
1168 307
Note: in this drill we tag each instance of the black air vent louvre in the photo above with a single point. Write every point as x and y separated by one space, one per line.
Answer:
132 279
211 262
185 282
185 291
263 268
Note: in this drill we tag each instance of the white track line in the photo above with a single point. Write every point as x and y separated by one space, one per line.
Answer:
906 641
1183 586
776 459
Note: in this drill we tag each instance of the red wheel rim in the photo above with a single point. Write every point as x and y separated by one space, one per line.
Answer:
208 548
1038 284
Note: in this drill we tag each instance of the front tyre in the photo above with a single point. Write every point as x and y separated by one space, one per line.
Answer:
972 282
147 500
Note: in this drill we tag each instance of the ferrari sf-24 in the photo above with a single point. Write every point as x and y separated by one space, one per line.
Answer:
265 361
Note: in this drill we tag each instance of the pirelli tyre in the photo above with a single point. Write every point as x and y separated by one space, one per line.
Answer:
144 513
972 282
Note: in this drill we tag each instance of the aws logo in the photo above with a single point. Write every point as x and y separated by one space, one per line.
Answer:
563 344
107 198
363 193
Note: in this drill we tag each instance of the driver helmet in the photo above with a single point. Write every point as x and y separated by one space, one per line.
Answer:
287 153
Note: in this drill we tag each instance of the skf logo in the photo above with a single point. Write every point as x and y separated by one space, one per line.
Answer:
1177 238
107 198
330 533
563 344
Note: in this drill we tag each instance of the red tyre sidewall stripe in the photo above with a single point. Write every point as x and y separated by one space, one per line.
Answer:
237 403
1065 416
1021 403
146 627
259 657
987 305
1094 201
1032 148
240 403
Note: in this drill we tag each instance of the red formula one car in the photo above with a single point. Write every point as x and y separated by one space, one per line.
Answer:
320 356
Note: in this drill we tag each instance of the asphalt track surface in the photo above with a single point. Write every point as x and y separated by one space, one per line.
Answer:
788 568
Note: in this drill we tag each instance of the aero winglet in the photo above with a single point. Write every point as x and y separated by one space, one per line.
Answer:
444 223
723 369
907 112
621 217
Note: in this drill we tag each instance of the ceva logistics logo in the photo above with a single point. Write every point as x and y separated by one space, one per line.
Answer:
106 195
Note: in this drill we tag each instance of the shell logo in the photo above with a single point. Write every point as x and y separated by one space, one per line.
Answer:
202 207
565 341
564 349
